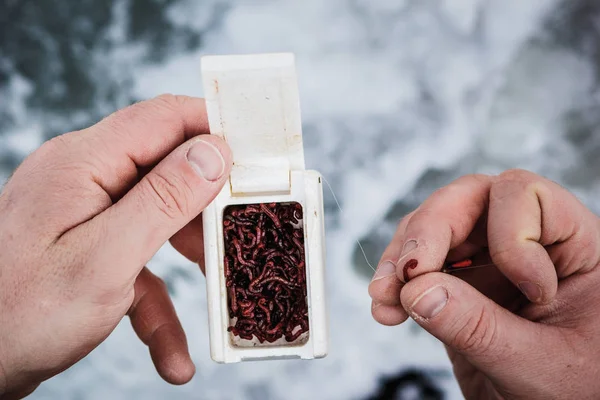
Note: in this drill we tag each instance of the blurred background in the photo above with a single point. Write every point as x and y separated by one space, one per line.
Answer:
399 97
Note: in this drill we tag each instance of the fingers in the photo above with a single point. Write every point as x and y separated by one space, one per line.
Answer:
515 231
162 203
154 320
536 231
526 213
385 286
498 342
423 240
388 315
20 393
444 221
189 241
140 136
82 173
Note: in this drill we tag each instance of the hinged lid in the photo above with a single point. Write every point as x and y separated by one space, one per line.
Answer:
253 103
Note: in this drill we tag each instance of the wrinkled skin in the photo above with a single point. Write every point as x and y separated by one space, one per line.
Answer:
80 219
525 326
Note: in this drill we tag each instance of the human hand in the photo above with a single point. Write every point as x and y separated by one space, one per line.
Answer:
502 344
80 219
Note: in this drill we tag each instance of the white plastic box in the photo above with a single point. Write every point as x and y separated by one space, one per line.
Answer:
253 103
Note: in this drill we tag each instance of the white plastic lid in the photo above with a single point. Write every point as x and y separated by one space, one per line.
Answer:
253 103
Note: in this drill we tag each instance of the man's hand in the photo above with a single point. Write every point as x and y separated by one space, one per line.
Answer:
525 327
81 217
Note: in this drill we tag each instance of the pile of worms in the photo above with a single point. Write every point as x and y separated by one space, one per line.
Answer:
265 271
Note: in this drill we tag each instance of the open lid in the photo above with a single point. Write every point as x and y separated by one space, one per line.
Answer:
253 103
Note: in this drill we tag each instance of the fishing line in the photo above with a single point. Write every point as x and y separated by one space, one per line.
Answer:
342 211
448 268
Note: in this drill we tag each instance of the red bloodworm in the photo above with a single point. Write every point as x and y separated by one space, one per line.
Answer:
294 336
253 287
275 236
288 308
259 279
240 258
289 260
232 296
248 272
410 264
243 223
228 272
267 265
271 215
293 273
242 292
261 227
281 307
298 243
276 329
259 233
245 303
261 305
252 209
247 322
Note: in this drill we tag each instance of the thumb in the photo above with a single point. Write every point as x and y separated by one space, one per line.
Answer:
499 343
164 201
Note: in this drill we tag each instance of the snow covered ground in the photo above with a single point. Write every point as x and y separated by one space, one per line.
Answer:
398 98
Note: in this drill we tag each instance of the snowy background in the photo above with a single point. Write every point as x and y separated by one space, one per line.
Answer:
399 97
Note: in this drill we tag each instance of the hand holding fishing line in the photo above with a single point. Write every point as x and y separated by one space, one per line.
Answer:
500 323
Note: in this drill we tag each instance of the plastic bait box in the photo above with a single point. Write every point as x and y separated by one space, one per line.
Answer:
263 234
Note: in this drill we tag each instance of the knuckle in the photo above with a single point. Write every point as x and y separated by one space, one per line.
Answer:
167 103
477 335
450 192
168 106
164 108
515 174
58 151
505 190
168 194
517 183
167 99
516 180
122 117
482 178
457 187
55 147
406 220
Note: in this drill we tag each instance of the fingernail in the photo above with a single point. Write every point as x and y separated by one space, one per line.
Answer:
408 248
533 291
206 160
431 303
384 270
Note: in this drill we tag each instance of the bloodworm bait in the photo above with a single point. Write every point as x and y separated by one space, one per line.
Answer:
265 262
